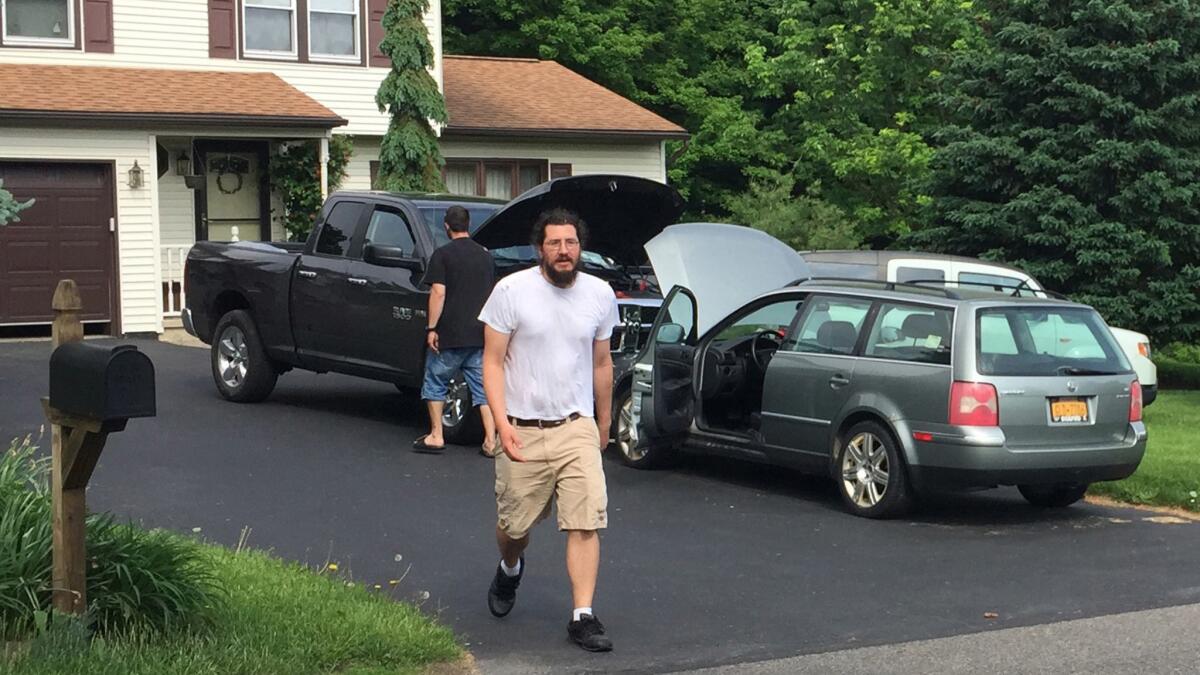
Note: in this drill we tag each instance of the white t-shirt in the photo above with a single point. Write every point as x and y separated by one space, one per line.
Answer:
548 368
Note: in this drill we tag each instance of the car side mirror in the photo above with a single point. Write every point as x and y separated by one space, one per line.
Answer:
391 256
669 333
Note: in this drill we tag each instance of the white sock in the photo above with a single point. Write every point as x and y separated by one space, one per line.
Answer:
510 571
580 611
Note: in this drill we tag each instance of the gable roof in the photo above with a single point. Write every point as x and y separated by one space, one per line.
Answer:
41 92
530 97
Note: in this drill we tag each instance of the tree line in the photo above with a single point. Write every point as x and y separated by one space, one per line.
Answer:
1061 136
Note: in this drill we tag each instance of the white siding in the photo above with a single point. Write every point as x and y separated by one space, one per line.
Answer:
635 158
174 34
137 231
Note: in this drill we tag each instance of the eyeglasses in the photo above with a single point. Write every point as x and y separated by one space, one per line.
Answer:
561 243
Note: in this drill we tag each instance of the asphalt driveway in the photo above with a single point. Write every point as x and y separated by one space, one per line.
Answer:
710 563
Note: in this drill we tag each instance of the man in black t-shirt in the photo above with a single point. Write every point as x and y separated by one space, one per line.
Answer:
461 274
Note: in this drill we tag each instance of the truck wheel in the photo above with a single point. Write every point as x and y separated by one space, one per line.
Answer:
240 366
1053 496
461 424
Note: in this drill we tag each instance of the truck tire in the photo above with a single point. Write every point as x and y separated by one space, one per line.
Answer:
241 368
461 424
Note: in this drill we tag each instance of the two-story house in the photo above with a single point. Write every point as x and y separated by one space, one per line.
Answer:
142 126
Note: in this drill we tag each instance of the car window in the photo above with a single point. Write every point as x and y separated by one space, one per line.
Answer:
776 316
911 333
830 325
910 274
1033 341
680 311
339 227
435 219
389 228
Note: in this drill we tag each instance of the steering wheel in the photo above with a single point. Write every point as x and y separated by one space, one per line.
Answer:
769 339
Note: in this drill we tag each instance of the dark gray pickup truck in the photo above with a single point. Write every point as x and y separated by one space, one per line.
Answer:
350 300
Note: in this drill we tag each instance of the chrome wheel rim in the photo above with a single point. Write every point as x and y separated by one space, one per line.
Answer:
455 408
625 440
865 470
233 358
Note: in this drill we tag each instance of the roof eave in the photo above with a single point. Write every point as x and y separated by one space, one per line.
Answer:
606 134
165 120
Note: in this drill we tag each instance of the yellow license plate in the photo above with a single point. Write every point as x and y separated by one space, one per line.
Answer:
1068 410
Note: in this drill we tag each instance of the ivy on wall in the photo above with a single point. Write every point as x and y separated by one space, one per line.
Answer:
295 177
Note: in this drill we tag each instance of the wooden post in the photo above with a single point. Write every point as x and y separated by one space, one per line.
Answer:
69 506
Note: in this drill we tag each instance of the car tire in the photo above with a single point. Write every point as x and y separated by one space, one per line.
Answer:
241 368
1056 496
647 456
870 473
461 424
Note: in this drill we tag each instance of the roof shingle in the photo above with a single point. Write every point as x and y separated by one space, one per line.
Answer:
530 96
133 93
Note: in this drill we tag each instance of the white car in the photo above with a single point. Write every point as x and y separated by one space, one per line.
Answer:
916 266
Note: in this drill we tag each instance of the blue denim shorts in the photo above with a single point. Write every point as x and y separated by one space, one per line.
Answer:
441 366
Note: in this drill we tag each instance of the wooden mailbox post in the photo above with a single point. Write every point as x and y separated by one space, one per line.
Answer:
93 392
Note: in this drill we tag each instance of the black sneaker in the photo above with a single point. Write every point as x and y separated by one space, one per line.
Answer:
588 633
503 593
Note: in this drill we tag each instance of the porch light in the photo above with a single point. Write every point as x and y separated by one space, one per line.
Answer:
136 176
183 165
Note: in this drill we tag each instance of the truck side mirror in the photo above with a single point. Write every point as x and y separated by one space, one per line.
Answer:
391 256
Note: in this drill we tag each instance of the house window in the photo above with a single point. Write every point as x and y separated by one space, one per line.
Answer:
333 29
39 22
499 178
270 26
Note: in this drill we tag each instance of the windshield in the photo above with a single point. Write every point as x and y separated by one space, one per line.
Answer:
526 254
435 217
1046 341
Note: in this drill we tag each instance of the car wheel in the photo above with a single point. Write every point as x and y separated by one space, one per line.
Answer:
1054 496
461 424
240 366
870 473
645 455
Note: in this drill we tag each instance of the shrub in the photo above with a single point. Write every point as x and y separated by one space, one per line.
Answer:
137 579
1179 351
1174 374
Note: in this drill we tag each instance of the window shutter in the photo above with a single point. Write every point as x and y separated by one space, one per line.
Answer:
375 10
222 29
97 26
560 171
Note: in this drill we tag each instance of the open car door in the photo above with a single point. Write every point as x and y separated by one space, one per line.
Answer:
663 399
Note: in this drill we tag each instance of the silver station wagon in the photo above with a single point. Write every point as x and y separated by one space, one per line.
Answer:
892 389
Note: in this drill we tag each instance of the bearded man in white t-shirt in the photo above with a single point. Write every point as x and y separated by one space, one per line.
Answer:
547 372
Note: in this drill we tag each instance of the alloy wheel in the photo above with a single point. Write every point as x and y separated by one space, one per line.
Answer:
865 470
625 441
455 408
233 359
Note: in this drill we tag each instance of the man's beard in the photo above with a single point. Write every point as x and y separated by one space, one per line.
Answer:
558 278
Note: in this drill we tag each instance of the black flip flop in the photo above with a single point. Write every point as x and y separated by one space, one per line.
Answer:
420 445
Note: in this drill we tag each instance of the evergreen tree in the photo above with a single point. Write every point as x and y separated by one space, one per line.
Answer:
409 158
1081 159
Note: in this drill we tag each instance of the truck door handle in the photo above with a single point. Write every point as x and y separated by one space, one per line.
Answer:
838 381
307 274
357 282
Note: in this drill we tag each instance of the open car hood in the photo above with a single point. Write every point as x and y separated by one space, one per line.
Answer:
621 212
724 266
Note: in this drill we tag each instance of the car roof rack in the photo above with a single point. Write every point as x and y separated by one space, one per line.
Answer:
885 285
1016 291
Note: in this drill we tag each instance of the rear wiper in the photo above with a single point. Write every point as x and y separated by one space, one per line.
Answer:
1072 370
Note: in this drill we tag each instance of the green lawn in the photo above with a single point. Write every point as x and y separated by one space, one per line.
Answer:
1170 473
280 618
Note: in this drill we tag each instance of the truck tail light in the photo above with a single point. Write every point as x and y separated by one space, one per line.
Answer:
974 404
1135 402
1144 349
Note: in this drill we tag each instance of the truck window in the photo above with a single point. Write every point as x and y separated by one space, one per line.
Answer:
997 281
388 228
339 228
910 274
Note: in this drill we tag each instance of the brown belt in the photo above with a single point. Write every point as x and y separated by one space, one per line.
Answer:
543 424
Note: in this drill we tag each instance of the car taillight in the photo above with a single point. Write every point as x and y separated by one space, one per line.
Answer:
974 404
1135 402
1144 349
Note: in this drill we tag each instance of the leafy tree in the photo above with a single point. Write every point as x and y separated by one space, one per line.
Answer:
10 207
803 223
409 158
295 177
1081 158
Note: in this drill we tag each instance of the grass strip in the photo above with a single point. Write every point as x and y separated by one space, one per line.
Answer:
1170 473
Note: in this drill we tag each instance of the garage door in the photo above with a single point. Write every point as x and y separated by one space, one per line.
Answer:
64 235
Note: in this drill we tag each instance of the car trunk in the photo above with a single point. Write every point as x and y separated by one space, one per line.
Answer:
1028 419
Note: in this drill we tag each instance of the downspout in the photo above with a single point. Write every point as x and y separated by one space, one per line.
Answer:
324 164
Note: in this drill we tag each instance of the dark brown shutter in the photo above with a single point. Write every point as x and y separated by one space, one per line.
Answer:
560 171
375 10
222 29
97 26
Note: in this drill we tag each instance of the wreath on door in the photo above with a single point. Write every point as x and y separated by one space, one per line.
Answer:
231 172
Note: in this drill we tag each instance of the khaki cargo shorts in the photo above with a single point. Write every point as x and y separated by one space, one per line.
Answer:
561 463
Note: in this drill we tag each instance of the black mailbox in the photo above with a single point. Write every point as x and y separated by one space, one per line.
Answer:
103 383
